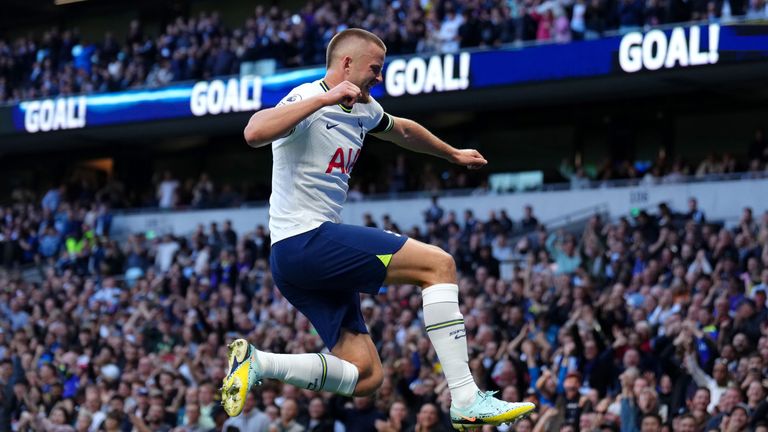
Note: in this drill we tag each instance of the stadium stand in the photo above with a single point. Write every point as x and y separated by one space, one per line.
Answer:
64 62
651 317
643 320
166 191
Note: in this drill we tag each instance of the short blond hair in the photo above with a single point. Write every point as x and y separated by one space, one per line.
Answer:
349 34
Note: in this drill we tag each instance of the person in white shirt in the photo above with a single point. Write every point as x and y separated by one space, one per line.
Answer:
166 249
449 30
166 191
716 384
321 265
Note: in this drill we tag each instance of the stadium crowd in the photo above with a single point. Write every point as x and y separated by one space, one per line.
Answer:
646 323
167 190
65 62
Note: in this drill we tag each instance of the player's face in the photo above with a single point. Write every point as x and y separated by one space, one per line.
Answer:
365 70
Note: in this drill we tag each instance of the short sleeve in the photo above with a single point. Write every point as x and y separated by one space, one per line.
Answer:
383 122
296 95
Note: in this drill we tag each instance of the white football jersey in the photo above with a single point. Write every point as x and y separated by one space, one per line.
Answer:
311 165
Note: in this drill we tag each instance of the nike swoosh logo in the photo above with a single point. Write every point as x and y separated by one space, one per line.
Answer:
330 126
235 364
469 419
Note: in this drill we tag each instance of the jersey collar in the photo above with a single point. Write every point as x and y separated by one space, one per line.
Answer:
342 106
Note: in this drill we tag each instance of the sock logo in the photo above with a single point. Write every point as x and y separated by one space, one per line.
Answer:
458 334
312 386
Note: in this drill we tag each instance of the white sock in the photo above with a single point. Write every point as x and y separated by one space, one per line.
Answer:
445 328
318 372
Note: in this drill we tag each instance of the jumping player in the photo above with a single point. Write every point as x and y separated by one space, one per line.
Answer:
321 265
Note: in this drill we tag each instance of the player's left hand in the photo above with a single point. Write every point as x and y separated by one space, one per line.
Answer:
469 158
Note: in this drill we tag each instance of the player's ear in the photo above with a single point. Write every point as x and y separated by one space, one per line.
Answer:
346 61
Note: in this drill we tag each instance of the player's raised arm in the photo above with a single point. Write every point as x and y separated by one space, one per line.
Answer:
415 137
270 124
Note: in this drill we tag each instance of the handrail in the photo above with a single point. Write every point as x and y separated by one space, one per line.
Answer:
578 215
450 193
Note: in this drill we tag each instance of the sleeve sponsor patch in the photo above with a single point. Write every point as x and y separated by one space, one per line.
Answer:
291 98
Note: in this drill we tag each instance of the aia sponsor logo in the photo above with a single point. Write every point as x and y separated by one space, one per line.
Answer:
342 162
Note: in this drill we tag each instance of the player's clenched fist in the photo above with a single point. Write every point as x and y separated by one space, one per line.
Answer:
469 158
345 93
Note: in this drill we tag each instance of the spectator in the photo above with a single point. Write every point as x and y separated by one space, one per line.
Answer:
427 420
449 29
397 421
166 250
251 419
287 421
434 213
685 423
360 416
368 221
738 419
529 221
650 423
355 193
193 420
53 198
229 236
155 420
630 15
202 194
563 251
56 62
98 344
694 213
166 191
758 148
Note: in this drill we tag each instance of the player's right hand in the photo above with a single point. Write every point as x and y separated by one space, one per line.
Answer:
345 93
469 158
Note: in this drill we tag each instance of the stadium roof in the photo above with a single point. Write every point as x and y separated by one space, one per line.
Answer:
21 15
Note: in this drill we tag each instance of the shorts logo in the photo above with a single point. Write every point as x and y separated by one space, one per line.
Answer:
385 259
330 126
312 386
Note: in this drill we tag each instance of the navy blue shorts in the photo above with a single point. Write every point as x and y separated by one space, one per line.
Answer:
321 272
